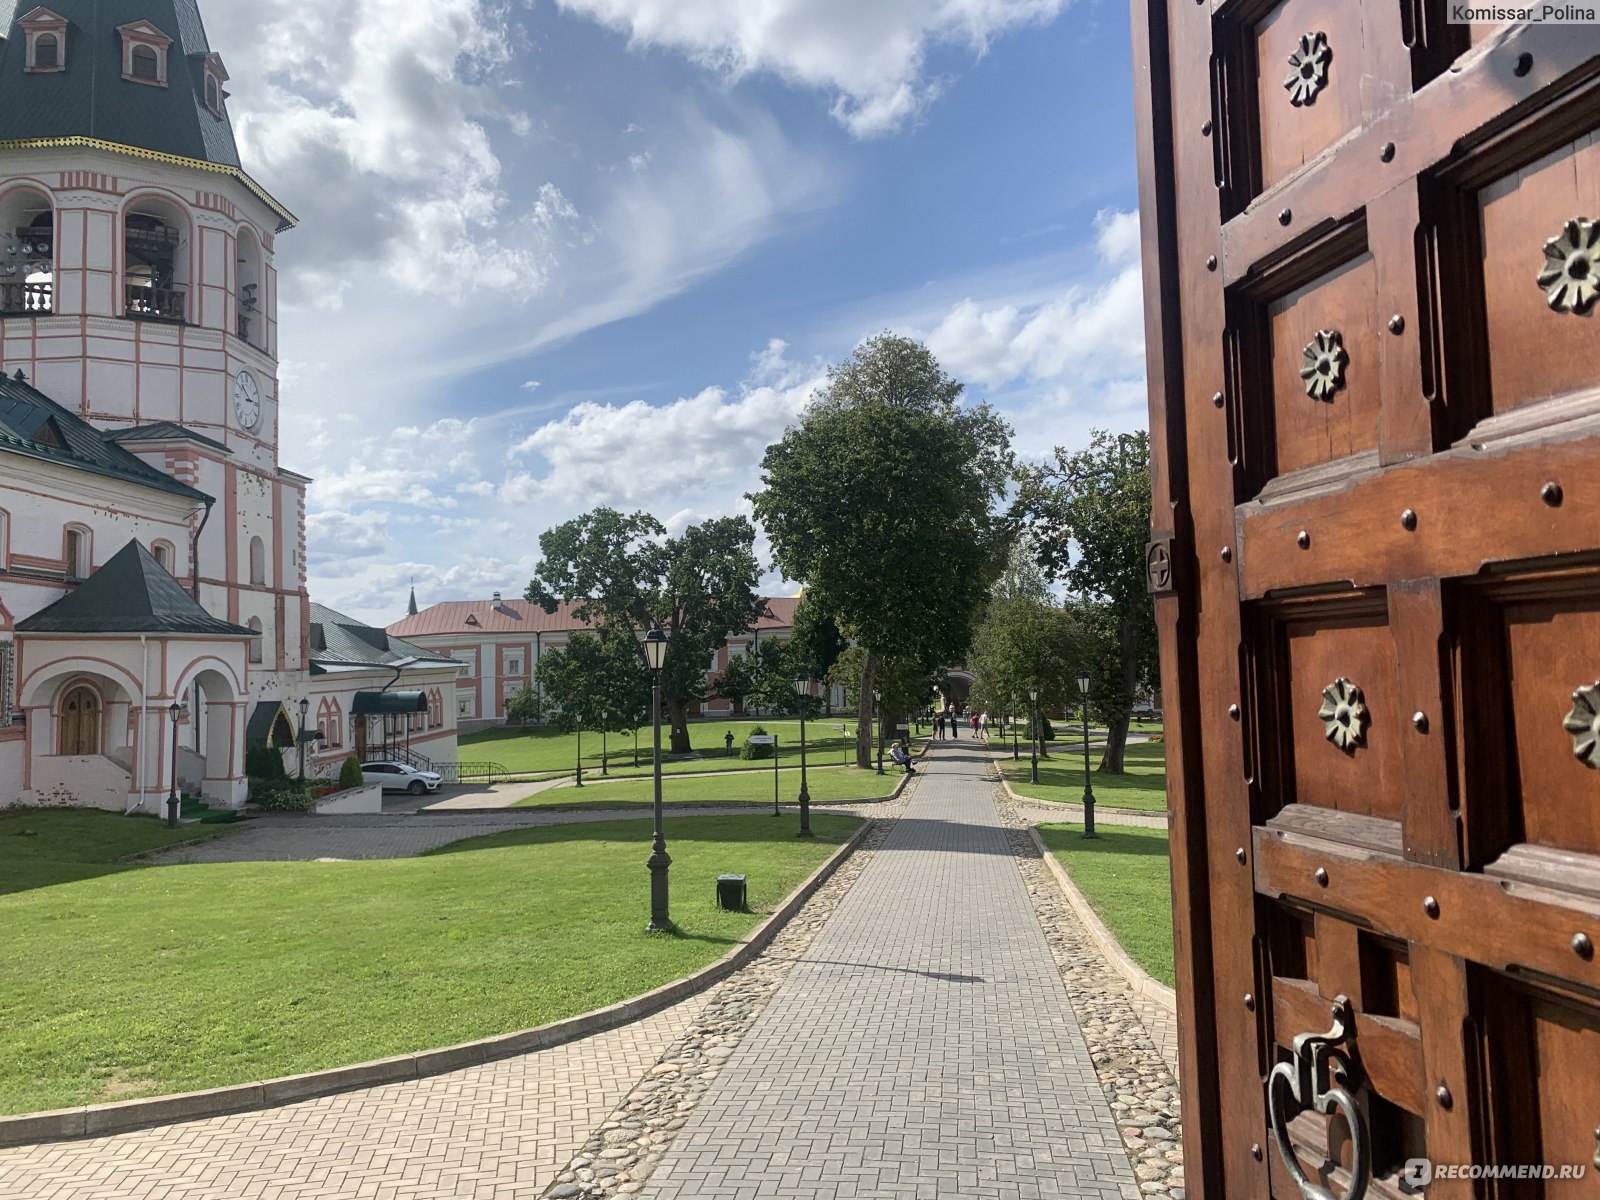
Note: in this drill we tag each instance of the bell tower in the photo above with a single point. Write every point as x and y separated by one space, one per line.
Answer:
138 286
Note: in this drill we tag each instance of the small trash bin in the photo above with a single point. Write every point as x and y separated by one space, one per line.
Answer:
730 892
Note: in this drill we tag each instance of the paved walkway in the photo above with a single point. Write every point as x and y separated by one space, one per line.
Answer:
501 1131
924 1046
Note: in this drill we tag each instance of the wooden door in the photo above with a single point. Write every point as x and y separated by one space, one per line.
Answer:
80 722
1370 257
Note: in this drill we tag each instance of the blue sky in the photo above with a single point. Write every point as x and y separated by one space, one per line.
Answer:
557 254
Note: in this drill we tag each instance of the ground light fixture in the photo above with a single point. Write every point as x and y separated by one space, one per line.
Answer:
1088 787
175 712
877 715
1033 727
802 690
655 657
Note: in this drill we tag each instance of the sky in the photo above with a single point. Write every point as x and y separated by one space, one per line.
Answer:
560 253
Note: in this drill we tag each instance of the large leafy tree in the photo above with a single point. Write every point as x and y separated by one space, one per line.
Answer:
596 681
883 502
625 574
1089 515
1028 643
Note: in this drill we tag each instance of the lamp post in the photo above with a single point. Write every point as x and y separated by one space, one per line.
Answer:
175 712
1014 754
301 738
1033 733
577 768
655 654
604 721
877 715
802 689
1088 787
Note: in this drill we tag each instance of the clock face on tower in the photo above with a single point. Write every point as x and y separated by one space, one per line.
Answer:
246 400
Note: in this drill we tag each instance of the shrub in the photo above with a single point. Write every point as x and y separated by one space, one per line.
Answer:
279 795
758 750
263 762
1047 731
350 772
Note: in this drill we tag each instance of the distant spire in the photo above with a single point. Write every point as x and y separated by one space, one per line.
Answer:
411 608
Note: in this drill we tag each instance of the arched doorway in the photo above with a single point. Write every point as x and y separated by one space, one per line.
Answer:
80 722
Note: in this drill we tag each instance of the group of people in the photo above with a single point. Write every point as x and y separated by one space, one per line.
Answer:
947 720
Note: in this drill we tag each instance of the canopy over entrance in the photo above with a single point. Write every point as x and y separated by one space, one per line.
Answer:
381 703
269 726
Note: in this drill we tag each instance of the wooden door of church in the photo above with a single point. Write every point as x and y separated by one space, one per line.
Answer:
1370 261
80 722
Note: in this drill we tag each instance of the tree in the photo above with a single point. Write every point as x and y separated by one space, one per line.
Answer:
1026 642
903 686
1089 514
739 679
623 573
814 645
597 681
523 707
883 502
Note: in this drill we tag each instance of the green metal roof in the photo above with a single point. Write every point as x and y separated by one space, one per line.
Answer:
130 593
90 98
33 424
338 640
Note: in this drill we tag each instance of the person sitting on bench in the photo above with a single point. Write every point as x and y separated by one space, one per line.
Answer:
900 755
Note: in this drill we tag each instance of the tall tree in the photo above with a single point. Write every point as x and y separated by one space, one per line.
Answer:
596 681
883 502
1089 514
1027 642
625 574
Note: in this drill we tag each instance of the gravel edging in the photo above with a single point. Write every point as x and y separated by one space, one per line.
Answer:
623 1152
96 1120
1137 977
1138 1082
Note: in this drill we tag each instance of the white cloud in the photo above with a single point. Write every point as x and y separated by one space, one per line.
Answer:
1087 335
871 58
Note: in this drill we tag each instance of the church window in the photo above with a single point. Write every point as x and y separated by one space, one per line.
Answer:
255 643
162 552
146 64
46 32
77 552
258 562
155 261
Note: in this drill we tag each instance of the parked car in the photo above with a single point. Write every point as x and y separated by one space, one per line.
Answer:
399 777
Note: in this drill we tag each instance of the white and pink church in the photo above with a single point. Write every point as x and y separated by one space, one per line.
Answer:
154 618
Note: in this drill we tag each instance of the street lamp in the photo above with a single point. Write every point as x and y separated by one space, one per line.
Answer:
877 714
175 712
1014 755
802 689
604 721
655 655
301 738
1088 787
1033 732
577 767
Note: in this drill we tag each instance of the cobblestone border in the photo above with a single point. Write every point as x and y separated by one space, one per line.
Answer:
1138 1083
623 1152
1137 977
96 1120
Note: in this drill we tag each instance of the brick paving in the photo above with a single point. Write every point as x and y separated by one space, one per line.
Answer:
923 1046
500 1131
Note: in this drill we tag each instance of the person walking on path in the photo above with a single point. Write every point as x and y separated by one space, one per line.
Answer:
938 726
976 730
955 727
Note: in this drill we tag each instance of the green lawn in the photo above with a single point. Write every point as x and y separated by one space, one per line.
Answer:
150 980
1126 875
1061 778
832 783
536 750
39 847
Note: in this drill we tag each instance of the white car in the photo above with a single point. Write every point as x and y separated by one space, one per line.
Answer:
398 777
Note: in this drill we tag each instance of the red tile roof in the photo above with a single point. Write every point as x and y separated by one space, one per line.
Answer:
521 616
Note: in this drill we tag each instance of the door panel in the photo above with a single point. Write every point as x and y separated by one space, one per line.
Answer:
1375 408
